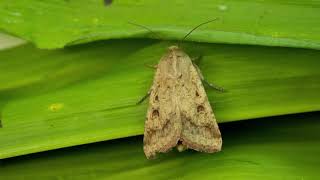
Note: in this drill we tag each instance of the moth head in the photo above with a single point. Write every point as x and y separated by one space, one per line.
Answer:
173 48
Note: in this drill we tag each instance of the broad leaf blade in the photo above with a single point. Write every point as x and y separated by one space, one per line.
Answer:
57 98
275 148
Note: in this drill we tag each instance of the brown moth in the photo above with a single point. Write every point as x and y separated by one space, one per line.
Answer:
179 110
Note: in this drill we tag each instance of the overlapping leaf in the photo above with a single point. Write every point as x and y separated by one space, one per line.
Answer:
55 23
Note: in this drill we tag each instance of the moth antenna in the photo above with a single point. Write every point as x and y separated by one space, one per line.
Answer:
144 27
185 37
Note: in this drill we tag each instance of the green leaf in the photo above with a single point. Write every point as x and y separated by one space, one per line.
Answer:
285 147
55 23
87 93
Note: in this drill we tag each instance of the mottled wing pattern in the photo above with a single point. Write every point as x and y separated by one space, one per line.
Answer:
200 130
163 121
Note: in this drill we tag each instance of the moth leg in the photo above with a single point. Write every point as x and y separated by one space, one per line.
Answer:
218 88
149 92
144 97
196 60
151 66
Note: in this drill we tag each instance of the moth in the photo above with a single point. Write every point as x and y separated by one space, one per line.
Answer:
179 112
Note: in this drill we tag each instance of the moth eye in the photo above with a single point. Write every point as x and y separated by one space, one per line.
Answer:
200 108
155 113
156 98
197 94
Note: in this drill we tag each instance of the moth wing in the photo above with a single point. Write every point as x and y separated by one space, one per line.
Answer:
200 130
163 122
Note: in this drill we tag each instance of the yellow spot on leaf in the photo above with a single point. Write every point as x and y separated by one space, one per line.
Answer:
55 107
222 7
